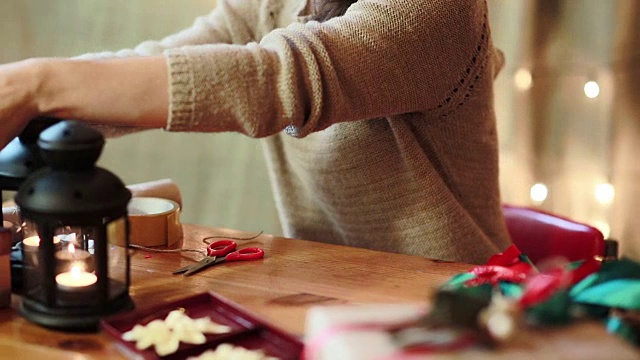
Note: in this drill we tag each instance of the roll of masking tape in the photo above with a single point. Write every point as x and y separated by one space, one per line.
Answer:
154 222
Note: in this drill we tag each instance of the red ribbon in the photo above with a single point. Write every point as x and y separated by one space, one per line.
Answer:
493 274
541 287
506 266
507 258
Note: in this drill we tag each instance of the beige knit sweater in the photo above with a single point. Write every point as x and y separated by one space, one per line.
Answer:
378 126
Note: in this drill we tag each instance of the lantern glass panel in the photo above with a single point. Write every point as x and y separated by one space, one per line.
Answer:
80 237
117 250
90 265
75 259
28 229
33 269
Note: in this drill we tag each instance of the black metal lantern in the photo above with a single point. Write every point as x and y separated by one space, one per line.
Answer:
18 160
21 157
76 265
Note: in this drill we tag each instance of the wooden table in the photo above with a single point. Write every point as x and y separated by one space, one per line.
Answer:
293 276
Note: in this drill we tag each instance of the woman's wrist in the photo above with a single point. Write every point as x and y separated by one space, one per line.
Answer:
19 84
32 78
46 95
118 92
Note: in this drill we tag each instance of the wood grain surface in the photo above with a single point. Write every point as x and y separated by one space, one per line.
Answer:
293 276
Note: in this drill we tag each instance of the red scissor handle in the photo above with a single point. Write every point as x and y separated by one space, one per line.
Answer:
245 254
221 247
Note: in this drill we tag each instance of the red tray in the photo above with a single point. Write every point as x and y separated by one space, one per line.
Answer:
246 330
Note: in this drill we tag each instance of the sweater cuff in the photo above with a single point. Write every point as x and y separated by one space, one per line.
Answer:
181 91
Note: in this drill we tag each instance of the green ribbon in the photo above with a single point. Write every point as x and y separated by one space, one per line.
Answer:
553 311
458 280
616 285
617 293
511 290
459 306
615 325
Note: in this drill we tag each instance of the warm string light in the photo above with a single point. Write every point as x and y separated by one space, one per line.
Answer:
605 193
523 81
591 89
538 193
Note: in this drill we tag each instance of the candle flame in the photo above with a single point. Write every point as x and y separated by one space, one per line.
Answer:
71 248
75 270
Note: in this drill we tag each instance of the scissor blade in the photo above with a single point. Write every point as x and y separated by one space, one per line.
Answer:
205 261
182 269
203 264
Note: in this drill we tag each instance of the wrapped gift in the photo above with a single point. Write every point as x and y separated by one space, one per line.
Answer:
356 332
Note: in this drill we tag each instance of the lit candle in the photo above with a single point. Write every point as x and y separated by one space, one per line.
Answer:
75 279
69 256
73 253
32 242
30 247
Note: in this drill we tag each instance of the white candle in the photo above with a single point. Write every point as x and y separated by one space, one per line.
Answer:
30 247
32 242
71 253
75 279
69 256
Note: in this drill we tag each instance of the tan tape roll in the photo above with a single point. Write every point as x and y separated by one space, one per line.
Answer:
154 222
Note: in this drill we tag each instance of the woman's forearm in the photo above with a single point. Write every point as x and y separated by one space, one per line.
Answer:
119 92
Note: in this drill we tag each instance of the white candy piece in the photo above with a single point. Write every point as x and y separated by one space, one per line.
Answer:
133 334
230 352
168 347
187 332
174 316
166 335
154 333
207 326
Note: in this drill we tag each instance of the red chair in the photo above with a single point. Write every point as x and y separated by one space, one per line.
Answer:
540 235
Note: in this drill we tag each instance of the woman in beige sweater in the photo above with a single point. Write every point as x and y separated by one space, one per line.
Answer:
377 122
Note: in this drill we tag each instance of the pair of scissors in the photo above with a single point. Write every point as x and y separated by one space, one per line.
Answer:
219 252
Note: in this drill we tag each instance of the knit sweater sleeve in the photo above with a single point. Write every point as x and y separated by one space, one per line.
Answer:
231 22
380 58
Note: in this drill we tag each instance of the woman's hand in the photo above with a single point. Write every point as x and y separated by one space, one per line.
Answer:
19 83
